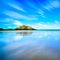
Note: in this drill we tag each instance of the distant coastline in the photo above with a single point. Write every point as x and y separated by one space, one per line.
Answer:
20 28
33 30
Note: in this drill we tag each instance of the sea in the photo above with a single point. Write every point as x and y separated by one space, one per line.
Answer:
30 45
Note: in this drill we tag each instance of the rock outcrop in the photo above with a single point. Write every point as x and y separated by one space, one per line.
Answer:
24 28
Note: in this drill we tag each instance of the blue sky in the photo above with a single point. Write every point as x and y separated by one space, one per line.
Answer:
39 14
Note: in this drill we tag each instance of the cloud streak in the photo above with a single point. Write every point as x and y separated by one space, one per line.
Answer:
19 16
52 4
18 23
16 7
41 12
55 25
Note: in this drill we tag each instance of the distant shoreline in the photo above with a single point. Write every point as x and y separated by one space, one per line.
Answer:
33 30
27 28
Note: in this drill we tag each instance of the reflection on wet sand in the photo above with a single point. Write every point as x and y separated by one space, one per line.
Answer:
25 33
30 45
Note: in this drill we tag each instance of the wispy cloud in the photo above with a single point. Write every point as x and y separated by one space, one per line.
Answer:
56 22
19 16
55 25
48 7
52 4
11 23
41 12
6 20
13 14
16 7
18 23
9 26
55 3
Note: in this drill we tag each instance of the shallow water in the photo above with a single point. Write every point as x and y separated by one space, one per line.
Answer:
30 45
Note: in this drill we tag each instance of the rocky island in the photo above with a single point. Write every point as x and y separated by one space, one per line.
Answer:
25 28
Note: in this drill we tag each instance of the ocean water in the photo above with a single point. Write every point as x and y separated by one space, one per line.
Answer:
30 45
